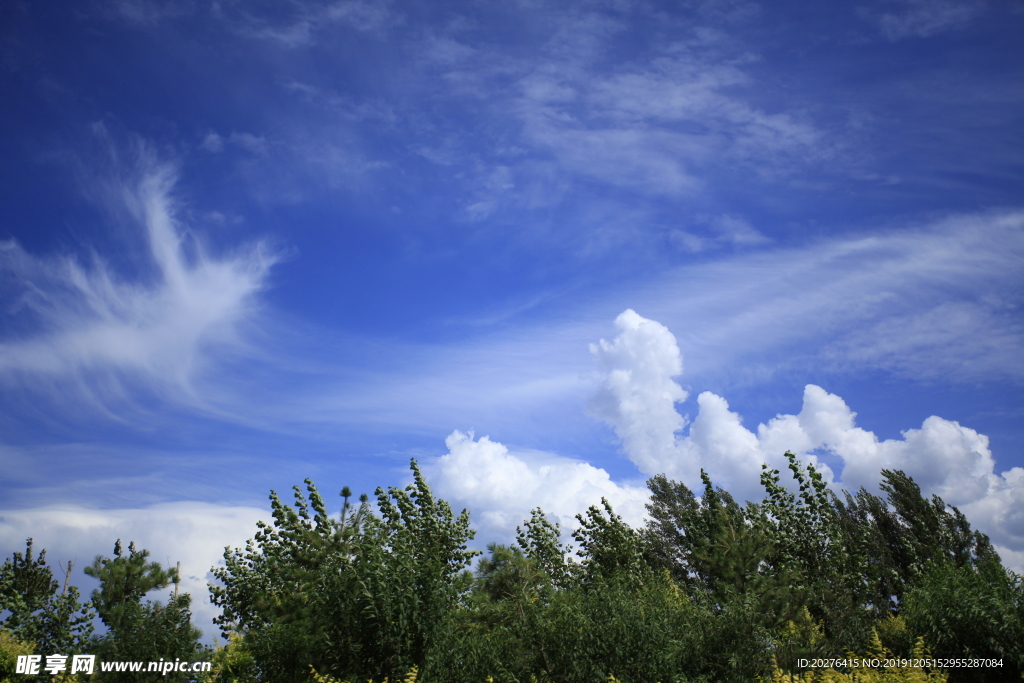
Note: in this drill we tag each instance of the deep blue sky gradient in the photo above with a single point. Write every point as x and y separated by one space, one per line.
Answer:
458 197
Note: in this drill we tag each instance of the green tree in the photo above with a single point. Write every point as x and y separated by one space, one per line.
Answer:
271 593
615 619
726 554
362 596
608 547
409 575
906 536
11 648
141 630
708 543
971 612
540 540
825 558
124 582
38 610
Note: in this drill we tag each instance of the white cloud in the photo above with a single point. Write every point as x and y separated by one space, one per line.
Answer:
942 456
309 21
687 241
985 334
188 532
938 301
835 306
500 488
923 18
1013 559
88 327
638 397
651 127
726 230
254 144
738 231
212 142
1001 511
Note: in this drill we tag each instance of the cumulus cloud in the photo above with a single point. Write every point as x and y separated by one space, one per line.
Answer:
638 395
1001 511
83 323
638 398
188 532
500 487
943 456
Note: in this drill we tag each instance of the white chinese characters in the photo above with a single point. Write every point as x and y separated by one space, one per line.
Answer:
55 664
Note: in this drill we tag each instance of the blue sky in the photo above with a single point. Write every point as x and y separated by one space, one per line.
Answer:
245 243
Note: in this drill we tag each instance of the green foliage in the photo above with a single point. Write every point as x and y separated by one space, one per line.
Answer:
895 636
518 627
363 596
708 590
816 572
270 591
682 528
38 611
137 630
408 575
124 582
905 536
727 556
608 547
232 663
709 543
540 540
11 648
823 558
26 584
967 612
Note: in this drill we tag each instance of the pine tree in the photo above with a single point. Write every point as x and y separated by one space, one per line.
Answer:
39 611
141 630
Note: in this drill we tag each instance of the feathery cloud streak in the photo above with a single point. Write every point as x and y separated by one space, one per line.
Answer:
939 301
84 326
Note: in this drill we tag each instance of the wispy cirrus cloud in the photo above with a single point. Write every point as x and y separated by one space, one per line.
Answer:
77 323
656 124
939 297
938 300
924 18
299 24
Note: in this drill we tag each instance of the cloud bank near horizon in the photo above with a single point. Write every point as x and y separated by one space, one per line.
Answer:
192 533
638 398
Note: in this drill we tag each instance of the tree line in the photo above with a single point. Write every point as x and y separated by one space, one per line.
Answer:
707 590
